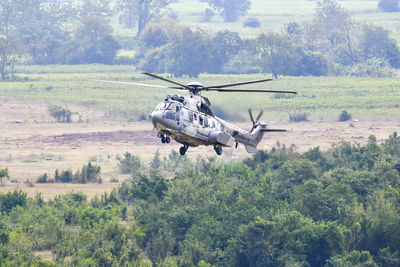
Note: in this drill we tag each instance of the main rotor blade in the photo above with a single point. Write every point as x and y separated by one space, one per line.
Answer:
273 130
138 84
250 90
239 83
251 116
164 79
259 115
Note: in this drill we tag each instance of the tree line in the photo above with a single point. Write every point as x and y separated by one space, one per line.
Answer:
70 32
338 207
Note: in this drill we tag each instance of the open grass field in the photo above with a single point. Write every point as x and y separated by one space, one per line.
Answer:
106 120
274 14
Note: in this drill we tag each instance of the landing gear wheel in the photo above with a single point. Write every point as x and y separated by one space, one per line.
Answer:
167 139
182 151
218 150
163 140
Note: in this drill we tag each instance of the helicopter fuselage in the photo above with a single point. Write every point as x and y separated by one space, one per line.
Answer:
189 121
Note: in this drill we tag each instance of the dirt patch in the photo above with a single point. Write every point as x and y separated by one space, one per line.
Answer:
121 136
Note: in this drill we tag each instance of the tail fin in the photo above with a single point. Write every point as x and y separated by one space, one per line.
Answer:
250 148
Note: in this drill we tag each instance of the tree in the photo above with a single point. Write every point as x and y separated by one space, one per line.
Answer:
141 12
3 174
338 32
276 54
376 43
130 164
156 162
230 10
92 43
389 5
224 45
8 57
96 8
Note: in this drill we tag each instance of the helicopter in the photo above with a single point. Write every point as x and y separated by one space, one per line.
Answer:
190 120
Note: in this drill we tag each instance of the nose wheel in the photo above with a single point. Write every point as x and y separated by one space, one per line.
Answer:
218 150
164 138
183 149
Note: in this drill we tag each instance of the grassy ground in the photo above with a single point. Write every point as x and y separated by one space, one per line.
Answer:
323 98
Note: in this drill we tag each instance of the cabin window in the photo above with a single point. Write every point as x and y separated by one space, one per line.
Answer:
206 121
177 108
170 115
190 116
213 124
195 116
222 127
201 120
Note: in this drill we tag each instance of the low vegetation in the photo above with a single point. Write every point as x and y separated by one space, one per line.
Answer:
89 173
280 207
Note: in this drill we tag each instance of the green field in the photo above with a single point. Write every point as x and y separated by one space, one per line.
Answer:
274 14
323 98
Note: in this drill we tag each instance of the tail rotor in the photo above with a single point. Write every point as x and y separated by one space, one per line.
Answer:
255 122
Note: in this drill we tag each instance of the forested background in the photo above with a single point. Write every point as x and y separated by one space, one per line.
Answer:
330 42
278 208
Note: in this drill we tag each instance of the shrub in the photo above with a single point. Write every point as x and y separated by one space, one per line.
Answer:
298 117
251 23
373 67
60 114
344 116
129 164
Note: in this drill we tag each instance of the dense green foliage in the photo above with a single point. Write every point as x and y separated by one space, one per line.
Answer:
280 207
330 42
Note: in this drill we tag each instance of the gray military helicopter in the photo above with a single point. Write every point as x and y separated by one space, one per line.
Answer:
190 120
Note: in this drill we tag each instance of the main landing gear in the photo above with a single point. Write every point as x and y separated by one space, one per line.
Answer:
164 138
218 150
183 149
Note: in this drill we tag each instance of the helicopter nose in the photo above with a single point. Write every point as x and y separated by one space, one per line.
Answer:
156 116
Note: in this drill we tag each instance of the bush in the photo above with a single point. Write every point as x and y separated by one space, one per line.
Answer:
344 116
129 164
60 114
298 117
373 67
251 23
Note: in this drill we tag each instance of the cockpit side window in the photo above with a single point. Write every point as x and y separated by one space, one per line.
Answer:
177 108
201 120
168 106
195 116
213 124
206 121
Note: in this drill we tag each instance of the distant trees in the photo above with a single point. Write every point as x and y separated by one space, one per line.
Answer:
92 43
174 48
389 5
230 10
140 12
8 57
